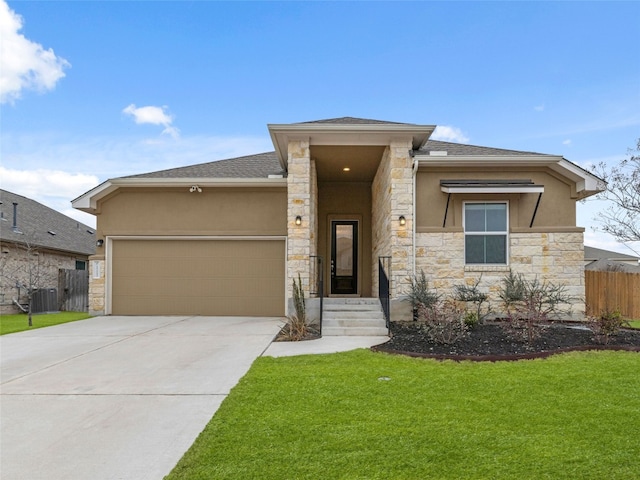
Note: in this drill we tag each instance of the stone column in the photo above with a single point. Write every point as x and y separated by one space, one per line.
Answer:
97 291
401 184
300 237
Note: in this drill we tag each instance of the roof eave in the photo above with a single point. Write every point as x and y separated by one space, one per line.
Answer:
345 134
88 202
587 184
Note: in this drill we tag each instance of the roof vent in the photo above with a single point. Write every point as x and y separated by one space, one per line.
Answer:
438 153
51 232
90 232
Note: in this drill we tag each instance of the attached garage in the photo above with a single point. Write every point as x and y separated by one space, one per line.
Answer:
195 276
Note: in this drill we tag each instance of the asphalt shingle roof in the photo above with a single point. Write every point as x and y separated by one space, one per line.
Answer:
462 149
41 226
354 121
264 164
251 166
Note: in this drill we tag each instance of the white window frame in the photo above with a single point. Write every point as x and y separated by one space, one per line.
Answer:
504 233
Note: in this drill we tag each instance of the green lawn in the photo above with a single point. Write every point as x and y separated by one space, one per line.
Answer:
635 323
365 415
20 322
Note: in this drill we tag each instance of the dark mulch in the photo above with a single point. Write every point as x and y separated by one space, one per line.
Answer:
492 342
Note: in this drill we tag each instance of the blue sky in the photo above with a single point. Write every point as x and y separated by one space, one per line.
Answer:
97 90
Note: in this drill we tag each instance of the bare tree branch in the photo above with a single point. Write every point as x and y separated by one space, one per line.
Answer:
622 218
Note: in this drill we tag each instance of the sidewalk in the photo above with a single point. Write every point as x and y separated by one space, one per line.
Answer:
326 344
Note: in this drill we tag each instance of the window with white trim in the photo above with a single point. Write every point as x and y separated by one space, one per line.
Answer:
485 233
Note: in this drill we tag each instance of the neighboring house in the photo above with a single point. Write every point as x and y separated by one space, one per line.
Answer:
598 259
229 237
38 241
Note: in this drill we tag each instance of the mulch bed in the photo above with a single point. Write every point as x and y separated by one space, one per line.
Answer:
491 342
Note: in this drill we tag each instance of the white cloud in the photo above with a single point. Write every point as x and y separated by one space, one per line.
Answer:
53 188
154 116
567 142
24 64
449 134
539 108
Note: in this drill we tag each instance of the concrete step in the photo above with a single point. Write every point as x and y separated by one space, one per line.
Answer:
354 314
353 317
365 307
353 322
354 331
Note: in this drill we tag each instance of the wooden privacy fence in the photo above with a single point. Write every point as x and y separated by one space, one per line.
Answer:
73 290
613 291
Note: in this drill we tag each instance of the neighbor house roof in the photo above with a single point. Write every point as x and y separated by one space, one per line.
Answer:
592 254
40 226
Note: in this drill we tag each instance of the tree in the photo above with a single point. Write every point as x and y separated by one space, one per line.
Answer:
622 218
25 267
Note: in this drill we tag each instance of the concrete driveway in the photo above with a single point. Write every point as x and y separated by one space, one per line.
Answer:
117 397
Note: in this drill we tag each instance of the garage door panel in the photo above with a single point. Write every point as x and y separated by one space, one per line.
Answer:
198 277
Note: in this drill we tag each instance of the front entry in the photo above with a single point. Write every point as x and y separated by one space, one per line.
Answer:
344 257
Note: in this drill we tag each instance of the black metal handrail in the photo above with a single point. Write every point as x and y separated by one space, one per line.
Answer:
316 286
384 271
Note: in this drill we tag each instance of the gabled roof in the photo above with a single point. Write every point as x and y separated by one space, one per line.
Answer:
463 149
251 166
455 155
593 254
41 226
353 121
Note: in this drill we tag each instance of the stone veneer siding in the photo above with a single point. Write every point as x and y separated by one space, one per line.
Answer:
97 281
302 198
556 257
392 197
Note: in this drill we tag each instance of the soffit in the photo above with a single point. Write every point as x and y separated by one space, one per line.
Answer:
346 134
362 161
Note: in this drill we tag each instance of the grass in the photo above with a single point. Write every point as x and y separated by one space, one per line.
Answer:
20 322
635 323
365 415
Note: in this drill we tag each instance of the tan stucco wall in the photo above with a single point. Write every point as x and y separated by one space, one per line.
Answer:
557 207
176 211
344 201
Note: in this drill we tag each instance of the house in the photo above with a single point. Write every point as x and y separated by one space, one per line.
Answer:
348 201
37 241
599 259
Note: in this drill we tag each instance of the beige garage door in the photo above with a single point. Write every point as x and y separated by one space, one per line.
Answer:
198 277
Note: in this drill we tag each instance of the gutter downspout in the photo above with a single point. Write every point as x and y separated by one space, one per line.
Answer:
413 227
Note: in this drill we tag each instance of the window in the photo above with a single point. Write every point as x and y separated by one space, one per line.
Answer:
485 233
81 265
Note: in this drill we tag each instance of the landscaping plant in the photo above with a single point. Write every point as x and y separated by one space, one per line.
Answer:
607 324
421 295
443 322
530 304
472 294
297 327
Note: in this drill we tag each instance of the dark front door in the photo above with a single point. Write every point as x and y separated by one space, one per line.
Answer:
344 257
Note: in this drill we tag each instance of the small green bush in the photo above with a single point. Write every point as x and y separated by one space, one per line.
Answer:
606 325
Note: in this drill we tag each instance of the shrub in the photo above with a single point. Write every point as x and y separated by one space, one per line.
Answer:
443 322
530 304
606 325
421 295
472 294
297 328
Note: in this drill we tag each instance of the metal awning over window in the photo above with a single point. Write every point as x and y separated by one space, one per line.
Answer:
490 186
